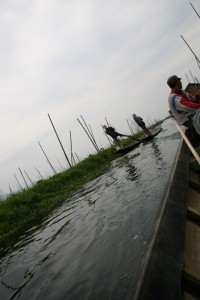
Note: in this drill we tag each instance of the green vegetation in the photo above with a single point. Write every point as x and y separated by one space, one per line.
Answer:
21 211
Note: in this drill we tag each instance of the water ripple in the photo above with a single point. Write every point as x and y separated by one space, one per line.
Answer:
91 247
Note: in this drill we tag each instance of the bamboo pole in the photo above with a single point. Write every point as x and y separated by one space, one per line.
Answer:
60 165
70 135
23 178
187 77
90 133
39 174
18 182
87 134
73 159
47 158
195 10
78 157
10 189
130 121
106 122
197 60
130 128
59 141
150 120
194 81
188 142
29 178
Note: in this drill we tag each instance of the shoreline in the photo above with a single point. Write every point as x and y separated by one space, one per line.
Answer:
21 211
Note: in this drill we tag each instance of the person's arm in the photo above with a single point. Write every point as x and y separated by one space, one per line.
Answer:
188 103
193 97
120 134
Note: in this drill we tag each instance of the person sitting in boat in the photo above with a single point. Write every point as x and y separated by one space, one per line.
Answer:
141 124
183 106
114 134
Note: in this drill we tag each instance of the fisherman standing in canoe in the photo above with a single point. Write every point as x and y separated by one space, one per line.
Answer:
141 124
114 134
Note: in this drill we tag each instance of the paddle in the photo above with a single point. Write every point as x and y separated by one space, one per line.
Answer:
188 142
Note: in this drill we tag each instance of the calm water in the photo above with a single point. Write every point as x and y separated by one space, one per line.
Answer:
92 246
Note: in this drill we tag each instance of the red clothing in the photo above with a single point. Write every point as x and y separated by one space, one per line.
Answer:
185 101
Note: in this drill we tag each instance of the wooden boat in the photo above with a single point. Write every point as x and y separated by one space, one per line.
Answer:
148 138
171 265
191 260
136 143
128 148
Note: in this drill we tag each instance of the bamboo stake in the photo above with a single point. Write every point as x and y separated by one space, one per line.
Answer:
28 178
39 174
73 159
60 165
195 10
78 157
130 120
10 189
23 177
18 182
130 128
106 121
47 158
91 134
150 119
59 141
71 147
188 142
194 81
197 60
187 77
18 188
87 134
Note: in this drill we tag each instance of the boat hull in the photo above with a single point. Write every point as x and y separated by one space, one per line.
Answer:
138 142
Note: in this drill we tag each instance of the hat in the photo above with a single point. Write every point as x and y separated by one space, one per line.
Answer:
172 80
104 126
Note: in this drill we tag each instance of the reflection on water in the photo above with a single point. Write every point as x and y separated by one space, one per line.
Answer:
158 154
91 247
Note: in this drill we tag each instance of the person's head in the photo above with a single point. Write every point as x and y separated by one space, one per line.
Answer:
174 82
104 126
134 115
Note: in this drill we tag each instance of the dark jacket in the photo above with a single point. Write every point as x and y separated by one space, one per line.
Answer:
111 131
139 121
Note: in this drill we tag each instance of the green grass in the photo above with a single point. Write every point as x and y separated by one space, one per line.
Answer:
21 211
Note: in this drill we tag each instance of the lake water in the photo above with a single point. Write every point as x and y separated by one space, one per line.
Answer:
92 246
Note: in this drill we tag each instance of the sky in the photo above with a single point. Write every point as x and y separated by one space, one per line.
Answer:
92 58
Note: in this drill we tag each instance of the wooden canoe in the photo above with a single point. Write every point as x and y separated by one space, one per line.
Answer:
136 143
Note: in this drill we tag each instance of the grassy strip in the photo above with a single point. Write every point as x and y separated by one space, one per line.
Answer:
21 211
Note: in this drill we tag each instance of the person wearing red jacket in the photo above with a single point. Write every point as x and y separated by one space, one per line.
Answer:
183 106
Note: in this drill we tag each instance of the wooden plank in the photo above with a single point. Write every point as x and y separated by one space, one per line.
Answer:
194 152
193 209
191 265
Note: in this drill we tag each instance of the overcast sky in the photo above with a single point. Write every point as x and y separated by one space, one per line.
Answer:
95 58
